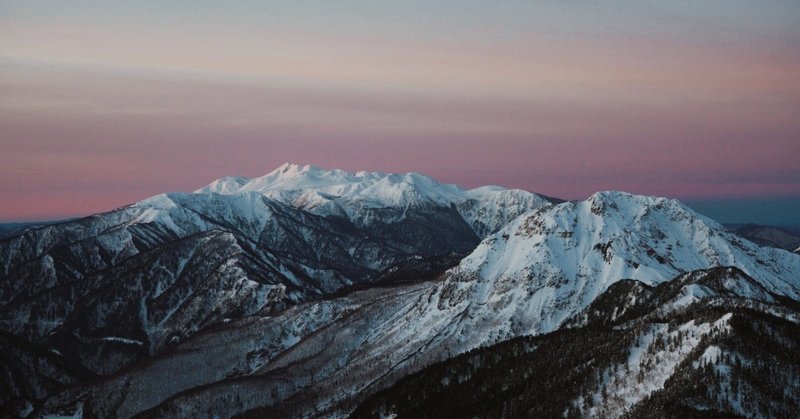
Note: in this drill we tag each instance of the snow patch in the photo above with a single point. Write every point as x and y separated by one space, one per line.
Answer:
122 340
710 356
690 294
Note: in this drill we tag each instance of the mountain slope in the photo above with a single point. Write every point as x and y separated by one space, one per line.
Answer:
305 255
109 290
534 276
549 264
728 352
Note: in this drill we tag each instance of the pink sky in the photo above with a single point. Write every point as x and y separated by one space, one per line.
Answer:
100 112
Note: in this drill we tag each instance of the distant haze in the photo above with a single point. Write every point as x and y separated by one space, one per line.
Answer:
780 212
106 103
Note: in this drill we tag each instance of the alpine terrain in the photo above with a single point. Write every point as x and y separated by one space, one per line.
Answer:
323 293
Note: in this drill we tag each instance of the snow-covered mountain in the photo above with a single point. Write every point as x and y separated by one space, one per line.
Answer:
305 291
539 273
768 236
311 188
103 292
356 195
549 264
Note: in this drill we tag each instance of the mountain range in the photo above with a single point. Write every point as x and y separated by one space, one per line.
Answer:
782 238
317 293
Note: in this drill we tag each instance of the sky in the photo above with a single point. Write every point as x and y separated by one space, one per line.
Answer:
106 103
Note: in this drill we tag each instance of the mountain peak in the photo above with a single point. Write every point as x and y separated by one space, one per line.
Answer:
565 255
617 198
287 182
292 169
626 205
337 192
288 171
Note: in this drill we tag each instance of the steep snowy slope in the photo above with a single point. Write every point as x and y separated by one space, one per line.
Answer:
540 272
730 351
549 264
